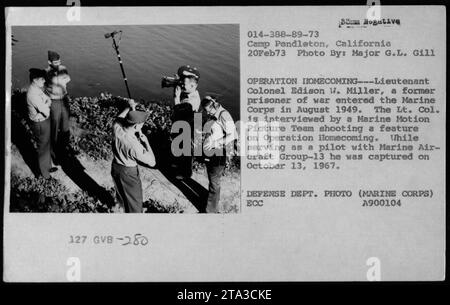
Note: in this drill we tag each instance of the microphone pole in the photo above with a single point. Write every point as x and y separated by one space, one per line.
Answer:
116 47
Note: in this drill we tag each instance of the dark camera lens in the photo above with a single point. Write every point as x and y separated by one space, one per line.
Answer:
168 82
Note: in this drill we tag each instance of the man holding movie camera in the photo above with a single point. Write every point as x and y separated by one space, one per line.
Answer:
185 85
187 101
219 143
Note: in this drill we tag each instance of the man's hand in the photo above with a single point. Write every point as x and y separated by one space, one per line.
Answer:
177 91
143 140
132 104
210 144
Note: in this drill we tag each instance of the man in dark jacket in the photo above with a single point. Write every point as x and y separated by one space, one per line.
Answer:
56 88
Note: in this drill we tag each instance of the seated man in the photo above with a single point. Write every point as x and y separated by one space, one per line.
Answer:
130 146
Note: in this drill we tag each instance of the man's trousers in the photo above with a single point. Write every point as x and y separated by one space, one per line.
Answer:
128 187
41 131
59 116
214 167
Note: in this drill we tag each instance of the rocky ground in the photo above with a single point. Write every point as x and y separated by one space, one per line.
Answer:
155 185
84 183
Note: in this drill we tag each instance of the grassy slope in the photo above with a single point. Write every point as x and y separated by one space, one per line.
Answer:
154 184
91 120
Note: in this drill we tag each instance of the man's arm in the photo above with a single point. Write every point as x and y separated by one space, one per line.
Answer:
57 81
195 101
227 124
177 94
124 113
41 106
63 79
145 155
64 75
229 128
144 140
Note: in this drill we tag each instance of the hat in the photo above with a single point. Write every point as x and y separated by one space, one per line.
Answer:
184 71
136 117
37 73
53 56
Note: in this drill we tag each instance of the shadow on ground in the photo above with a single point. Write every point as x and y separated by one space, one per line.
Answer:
191 189
73 168
21 136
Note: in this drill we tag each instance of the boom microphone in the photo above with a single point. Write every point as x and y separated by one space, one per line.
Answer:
111 34
116 47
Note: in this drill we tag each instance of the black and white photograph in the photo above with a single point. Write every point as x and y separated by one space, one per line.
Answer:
312 136
93 117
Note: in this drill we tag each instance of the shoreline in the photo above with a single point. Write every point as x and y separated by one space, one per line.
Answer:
87 176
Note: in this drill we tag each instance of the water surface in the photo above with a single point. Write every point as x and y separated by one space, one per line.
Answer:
148 52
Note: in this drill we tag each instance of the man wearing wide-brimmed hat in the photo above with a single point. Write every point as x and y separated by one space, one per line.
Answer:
56 88
130 147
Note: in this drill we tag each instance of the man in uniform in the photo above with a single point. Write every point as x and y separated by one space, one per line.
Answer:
57 79
38 104
187 101
186 91
130 147
221 134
